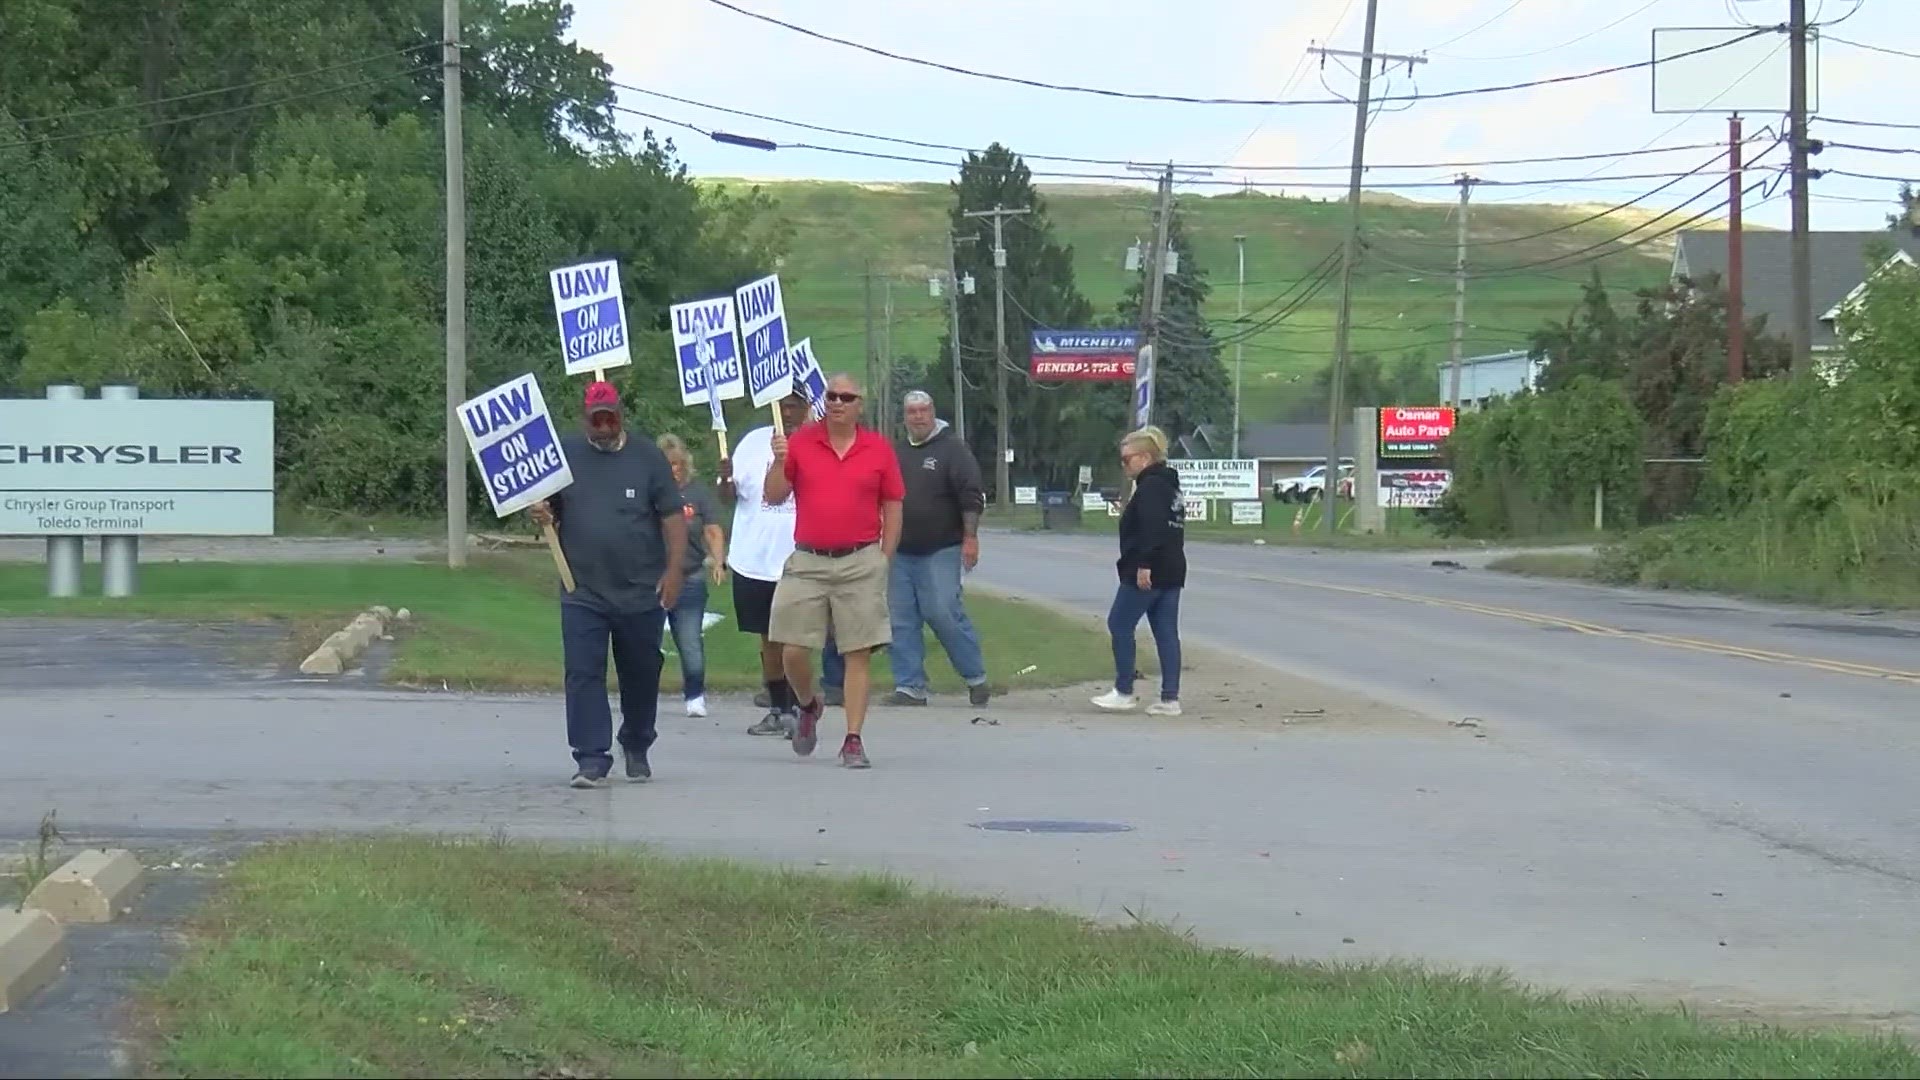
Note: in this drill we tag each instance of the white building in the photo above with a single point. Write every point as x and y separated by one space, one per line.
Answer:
1484 378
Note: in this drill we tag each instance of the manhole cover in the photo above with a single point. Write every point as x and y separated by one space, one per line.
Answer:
1054 826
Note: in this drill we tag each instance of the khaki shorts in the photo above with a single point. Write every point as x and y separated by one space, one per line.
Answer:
848 594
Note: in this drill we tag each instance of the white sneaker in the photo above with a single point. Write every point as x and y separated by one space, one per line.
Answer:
697 706
1115 701
1164 708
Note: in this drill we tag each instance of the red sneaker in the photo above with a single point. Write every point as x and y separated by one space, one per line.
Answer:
853 754
806 731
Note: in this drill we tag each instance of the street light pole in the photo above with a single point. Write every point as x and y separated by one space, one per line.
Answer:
1239 344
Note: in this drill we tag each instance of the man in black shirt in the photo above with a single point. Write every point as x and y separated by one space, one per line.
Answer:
939 540
625 535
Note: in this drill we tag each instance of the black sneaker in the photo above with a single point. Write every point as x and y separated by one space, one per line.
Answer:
763 700
584 779
806 731
638 770
836 695
978 695
774 723
901 697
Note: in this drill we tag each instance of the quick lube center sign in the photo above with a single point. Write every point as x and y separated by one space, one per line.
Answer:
136 468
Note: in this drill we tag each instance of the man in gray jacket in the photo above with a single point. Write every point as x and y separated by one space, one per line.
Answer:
939 540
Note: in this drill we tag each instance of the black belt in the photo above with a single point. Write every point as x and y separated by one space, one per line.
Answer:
834 553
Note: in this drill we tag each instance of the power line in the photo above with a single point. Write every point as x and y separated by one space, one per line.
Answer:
1462 36
1551 48
270 81
1412 165
1192 100
1870 48
46 140
1874 149
1865 123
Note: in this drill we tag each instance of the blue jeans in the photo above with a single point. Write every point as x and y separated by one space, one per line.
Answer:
688 621
1162 610
584 635
926 589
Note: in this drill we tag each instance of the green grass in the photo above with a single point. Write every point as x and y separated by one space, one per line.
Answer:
497 624
290 519
900 228
408 957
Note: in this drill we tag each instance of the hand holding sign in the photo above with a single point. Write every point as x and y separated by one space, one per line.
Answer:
518 451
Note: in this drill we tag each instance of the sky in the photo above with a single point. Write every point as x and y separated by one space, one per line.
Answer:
698 50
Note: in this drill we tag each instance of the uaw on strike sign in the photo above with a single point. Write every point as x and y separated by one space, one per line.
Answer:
515 445
592 315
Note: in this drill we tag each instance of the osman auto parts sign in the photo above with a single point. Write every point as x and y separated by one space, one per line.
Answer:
136 468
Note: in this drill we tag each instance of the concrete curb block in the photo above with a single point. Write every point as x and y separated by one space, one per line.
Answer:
91 888
346 644
33 949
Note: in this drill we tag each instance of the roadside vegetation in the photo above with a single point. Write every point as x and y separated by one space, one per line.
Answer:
414 957
1805 484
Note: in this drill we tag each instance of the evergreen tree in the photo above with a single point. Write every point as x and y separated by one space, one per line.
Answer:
1054 428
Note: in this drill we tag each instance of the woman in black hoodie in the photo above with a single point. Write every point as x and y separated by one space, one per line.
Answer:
1153 571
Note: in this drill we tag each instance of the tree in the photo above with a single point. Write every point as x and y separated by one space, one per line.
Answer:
1054 429
1191 386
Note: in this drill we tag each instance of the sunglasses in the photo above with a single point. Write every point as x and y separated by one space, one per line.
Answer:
834 396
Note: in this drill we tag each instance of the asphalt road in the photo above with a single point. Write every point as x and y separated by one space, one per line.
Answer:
1670 796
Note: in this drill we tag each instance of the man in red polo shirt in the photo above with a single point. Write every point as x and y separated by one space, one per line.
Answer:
845 480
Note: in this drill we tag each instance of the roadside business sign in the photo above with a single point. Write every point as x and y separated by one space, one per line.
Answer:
1084 355
1418 488
515 445
136 468
1249 513
592 316
1414 432
1218 478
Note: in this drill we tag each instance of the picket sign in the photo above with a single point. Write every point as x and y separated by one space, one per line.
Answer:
707 355
808 379
763 333
588 305
518 452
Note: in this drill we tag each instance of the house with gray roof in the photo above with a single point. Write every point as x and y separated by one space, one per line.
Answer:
1841 264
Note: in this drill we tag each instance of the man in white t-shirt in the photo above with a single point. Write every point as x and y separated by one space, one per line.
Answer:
762 541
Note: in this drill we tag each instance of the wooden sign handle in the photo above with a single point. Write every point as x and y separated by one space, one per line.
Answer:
779 423
552 538
720 435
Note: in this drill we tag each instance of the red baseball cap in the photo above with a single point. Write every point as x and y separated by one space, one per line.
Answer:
602 397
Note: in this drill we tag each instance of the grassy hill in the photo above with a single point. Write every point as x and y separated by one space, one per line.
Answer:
1403 296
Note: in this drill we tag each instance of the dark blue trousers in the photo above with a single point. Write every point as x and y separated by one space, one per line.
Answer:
585 634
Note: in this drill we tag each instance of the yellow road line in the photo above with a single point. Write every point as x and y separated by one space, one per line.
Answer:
1838 667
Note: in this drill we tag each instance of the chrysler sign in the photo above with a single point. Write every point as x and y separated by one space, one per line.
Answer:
1084 355
136 468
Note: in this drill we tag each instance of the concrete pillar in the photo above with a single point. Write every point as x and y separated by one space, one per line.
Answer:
65 554
1368 515
119 555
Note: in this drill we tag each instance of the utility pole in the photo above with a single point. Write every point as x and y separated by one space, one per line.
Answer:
1797 134
953 312
1155 265
1459 292
1003 472
1349 253
1736 260
450 106
1239 345
886 359
873 366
